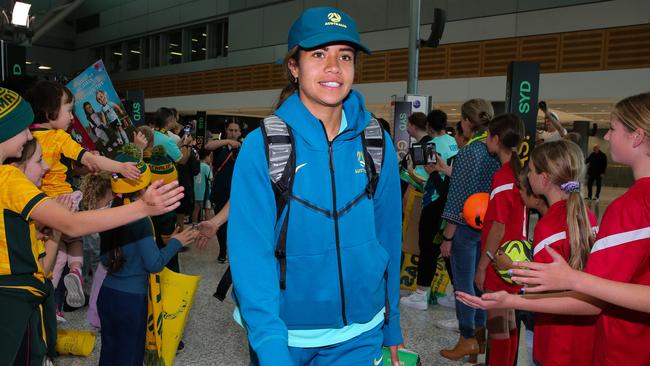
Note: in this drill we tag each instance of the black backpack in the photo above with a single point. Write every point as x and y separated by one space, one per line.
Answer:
281 157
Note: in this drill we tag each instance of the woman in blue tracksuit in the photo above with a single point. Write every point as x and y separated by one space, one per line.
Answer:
340 304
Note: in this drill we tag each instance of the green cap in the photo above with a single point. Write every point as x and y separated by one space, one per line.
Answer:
119 184
15 114
161 166
323 25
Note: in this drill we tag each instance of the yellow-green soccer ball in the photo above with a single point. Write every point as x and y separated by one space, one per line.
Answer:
517 251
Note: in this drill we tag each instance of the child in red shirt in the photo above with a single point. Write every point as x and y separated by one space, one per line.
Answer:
504 221
568 227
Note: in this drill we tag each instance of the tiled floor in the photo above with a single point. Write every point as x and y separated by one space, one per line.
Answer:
212 337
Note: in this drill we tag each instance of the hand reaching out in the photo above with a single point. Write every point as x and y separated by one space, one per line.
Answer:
490 300
554 276
207 230
160 199
187 236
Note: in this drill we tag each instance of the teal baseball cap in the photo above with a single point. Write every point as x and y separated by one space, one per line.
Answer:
323 25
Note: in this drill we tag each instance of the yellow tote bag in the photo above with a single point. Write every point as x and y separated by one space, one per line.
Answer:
178 296
170 311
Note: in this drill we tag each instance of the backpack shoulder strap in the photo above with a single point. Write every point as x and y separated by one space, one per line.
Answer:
373 146
280 156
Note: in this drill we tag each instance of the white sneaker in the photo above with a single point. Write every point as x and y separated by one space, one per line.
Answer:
418 300
449 324
447 301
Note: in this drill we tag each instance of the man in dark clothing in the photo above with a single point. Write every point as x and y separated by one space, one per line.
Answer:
597 161
223 165
186 173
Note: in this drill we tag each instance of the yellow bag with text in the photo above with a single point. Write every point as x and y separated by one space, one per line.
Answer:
409 274
171 296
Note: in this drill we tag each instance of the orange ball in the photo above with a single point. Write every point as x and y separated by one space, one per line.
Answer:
475 208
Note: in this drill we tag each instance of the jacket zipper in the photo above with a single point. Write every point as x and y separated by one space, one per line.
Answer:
335 215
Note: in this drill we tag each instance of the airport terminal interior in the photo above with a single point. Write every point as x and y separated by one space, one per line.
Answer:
203 75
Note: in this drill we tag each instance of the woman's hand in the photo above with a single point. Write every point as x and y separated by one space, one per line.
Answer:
554 276
394 355
160 199
187 236
207 230
490 300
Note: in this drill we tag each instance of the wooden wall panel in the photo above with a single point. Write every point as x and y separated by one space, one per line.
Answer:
373 67
278 79
496 56
581 51
603 49
542 49
398 65
433 63
628 48
464 60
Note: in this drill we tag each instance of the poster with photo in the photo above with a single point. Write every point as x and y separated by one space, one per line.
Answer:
99 111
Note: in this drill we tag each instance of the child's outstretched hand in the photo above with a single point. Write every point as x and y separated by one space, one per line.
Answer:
161 199
187 236
541 277
130 171
490 300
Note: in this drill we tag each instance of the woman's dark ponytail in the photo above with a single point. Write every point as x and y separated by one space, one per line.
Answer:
510 129
292 86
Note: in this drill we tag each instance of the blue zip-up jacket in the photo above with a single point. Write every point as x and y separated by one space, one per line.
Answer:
335 265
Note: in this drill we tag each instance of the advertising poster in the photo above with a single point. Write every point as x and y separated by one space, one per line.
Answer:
99 111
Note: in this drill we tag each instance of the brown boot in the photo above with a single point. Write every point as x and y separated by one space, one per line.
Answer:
464 347
481 339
